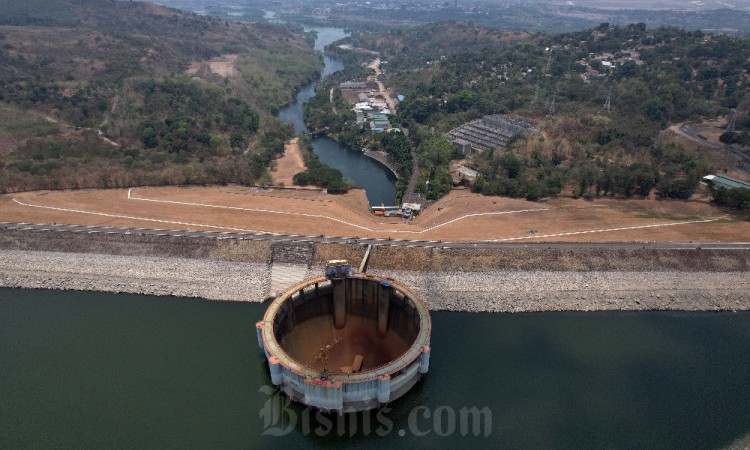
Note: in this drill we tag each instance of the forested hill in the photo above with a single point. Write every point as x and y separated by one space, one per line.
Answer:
187 99
414 47
587 145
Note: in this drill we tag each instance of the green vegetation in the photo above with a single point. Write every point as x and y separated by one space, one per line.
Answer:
738 198
435 154
341 125
107 93
454 73
319 174
398 146
16 124
732 137
272 74
654 215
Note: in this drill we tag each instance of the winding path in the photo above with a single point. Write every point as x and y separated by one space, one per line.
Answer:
244 233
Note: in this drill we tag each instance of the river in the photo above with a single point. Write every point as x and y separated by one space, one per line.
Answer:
96 370
373 177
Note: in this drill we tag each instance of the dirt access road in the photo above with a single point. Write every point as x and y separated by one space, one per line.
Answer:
460 216
375 65
288 165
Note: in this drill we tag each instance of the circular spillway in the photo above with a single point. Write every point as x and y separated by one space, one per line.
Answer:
346 345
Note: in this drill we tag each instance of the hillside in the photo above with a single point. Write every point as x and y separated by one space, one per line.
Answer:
414 47
109 93
599 99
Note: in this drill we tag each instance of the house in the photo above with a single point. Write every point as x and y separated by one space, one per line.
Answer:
467 173
353 85
462 174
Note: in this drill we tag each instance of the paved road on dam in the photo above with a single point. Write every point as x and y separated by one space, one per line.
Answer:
365 241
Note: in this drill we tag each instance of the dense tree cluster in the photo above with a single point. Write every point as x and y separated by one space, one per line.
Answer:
176 119
398 146
103 71
598 124
738 198
319 174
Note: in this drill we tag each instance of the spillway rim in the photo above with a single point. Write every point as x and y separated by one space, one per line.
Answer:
420 344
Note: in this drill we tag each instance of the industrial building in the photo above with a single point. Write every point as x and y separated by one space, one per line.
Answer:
726 182
354 85
493 131
346 342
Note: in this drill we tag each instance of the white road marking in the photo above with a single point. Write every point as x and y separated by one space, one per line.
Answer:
603 230
119 216
233 229
321 216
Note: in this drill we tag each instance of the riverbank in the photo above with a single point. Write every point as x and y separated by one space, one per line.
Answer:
182 277
371 174
585 279
383 158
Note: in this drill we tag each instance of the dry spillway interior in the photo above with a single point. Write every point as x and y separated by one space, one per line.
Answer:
352 325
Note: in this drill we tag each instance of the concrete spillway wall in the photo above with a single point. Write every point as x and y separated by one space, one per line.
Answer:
312 333
504 279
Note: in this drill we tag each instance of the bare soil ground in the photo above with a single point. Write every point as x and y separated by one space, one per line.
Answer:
289 164
222 66
460 216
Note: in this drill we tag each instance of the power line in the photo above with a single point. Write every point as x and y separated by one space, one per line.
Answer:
536 96
608 102
732 123
549 61
552 102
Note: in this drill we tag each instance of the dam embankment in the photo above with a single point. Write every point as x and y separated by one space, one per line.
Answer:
502 280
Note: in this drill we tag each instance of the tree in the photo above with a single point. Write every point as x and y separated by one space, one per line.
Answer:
655 109
738 198
149 137
727 137
338 186
511 164
236 140
680 188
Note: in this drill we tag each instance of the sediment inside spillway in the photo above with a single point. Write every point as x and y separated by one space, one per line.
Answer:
378 332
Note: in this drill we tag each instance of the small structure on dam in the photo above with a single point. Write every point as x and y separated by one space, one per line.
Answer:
346 342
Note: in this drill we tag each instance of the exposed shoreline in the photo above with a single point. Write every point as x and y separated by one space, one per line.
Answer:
231 270
383 160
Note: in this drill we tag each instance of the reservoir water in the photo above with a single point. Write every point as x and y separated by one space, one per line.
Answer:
94 370
376 180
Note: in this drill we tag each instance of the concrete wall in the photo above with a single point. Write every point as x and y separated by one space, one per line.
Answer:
508 280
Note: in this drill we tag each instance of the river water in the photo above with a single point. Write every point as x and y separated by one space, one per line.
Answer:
376 180
94 370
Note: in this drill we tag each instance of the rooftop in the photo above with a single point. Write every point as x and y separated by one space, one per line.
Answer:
726 182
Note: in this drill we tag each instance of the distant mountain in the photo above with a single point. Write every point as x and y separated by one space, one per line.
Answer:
558 16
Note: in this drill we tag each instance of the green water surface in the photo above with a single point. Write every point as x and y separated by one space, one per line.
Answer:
93 370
